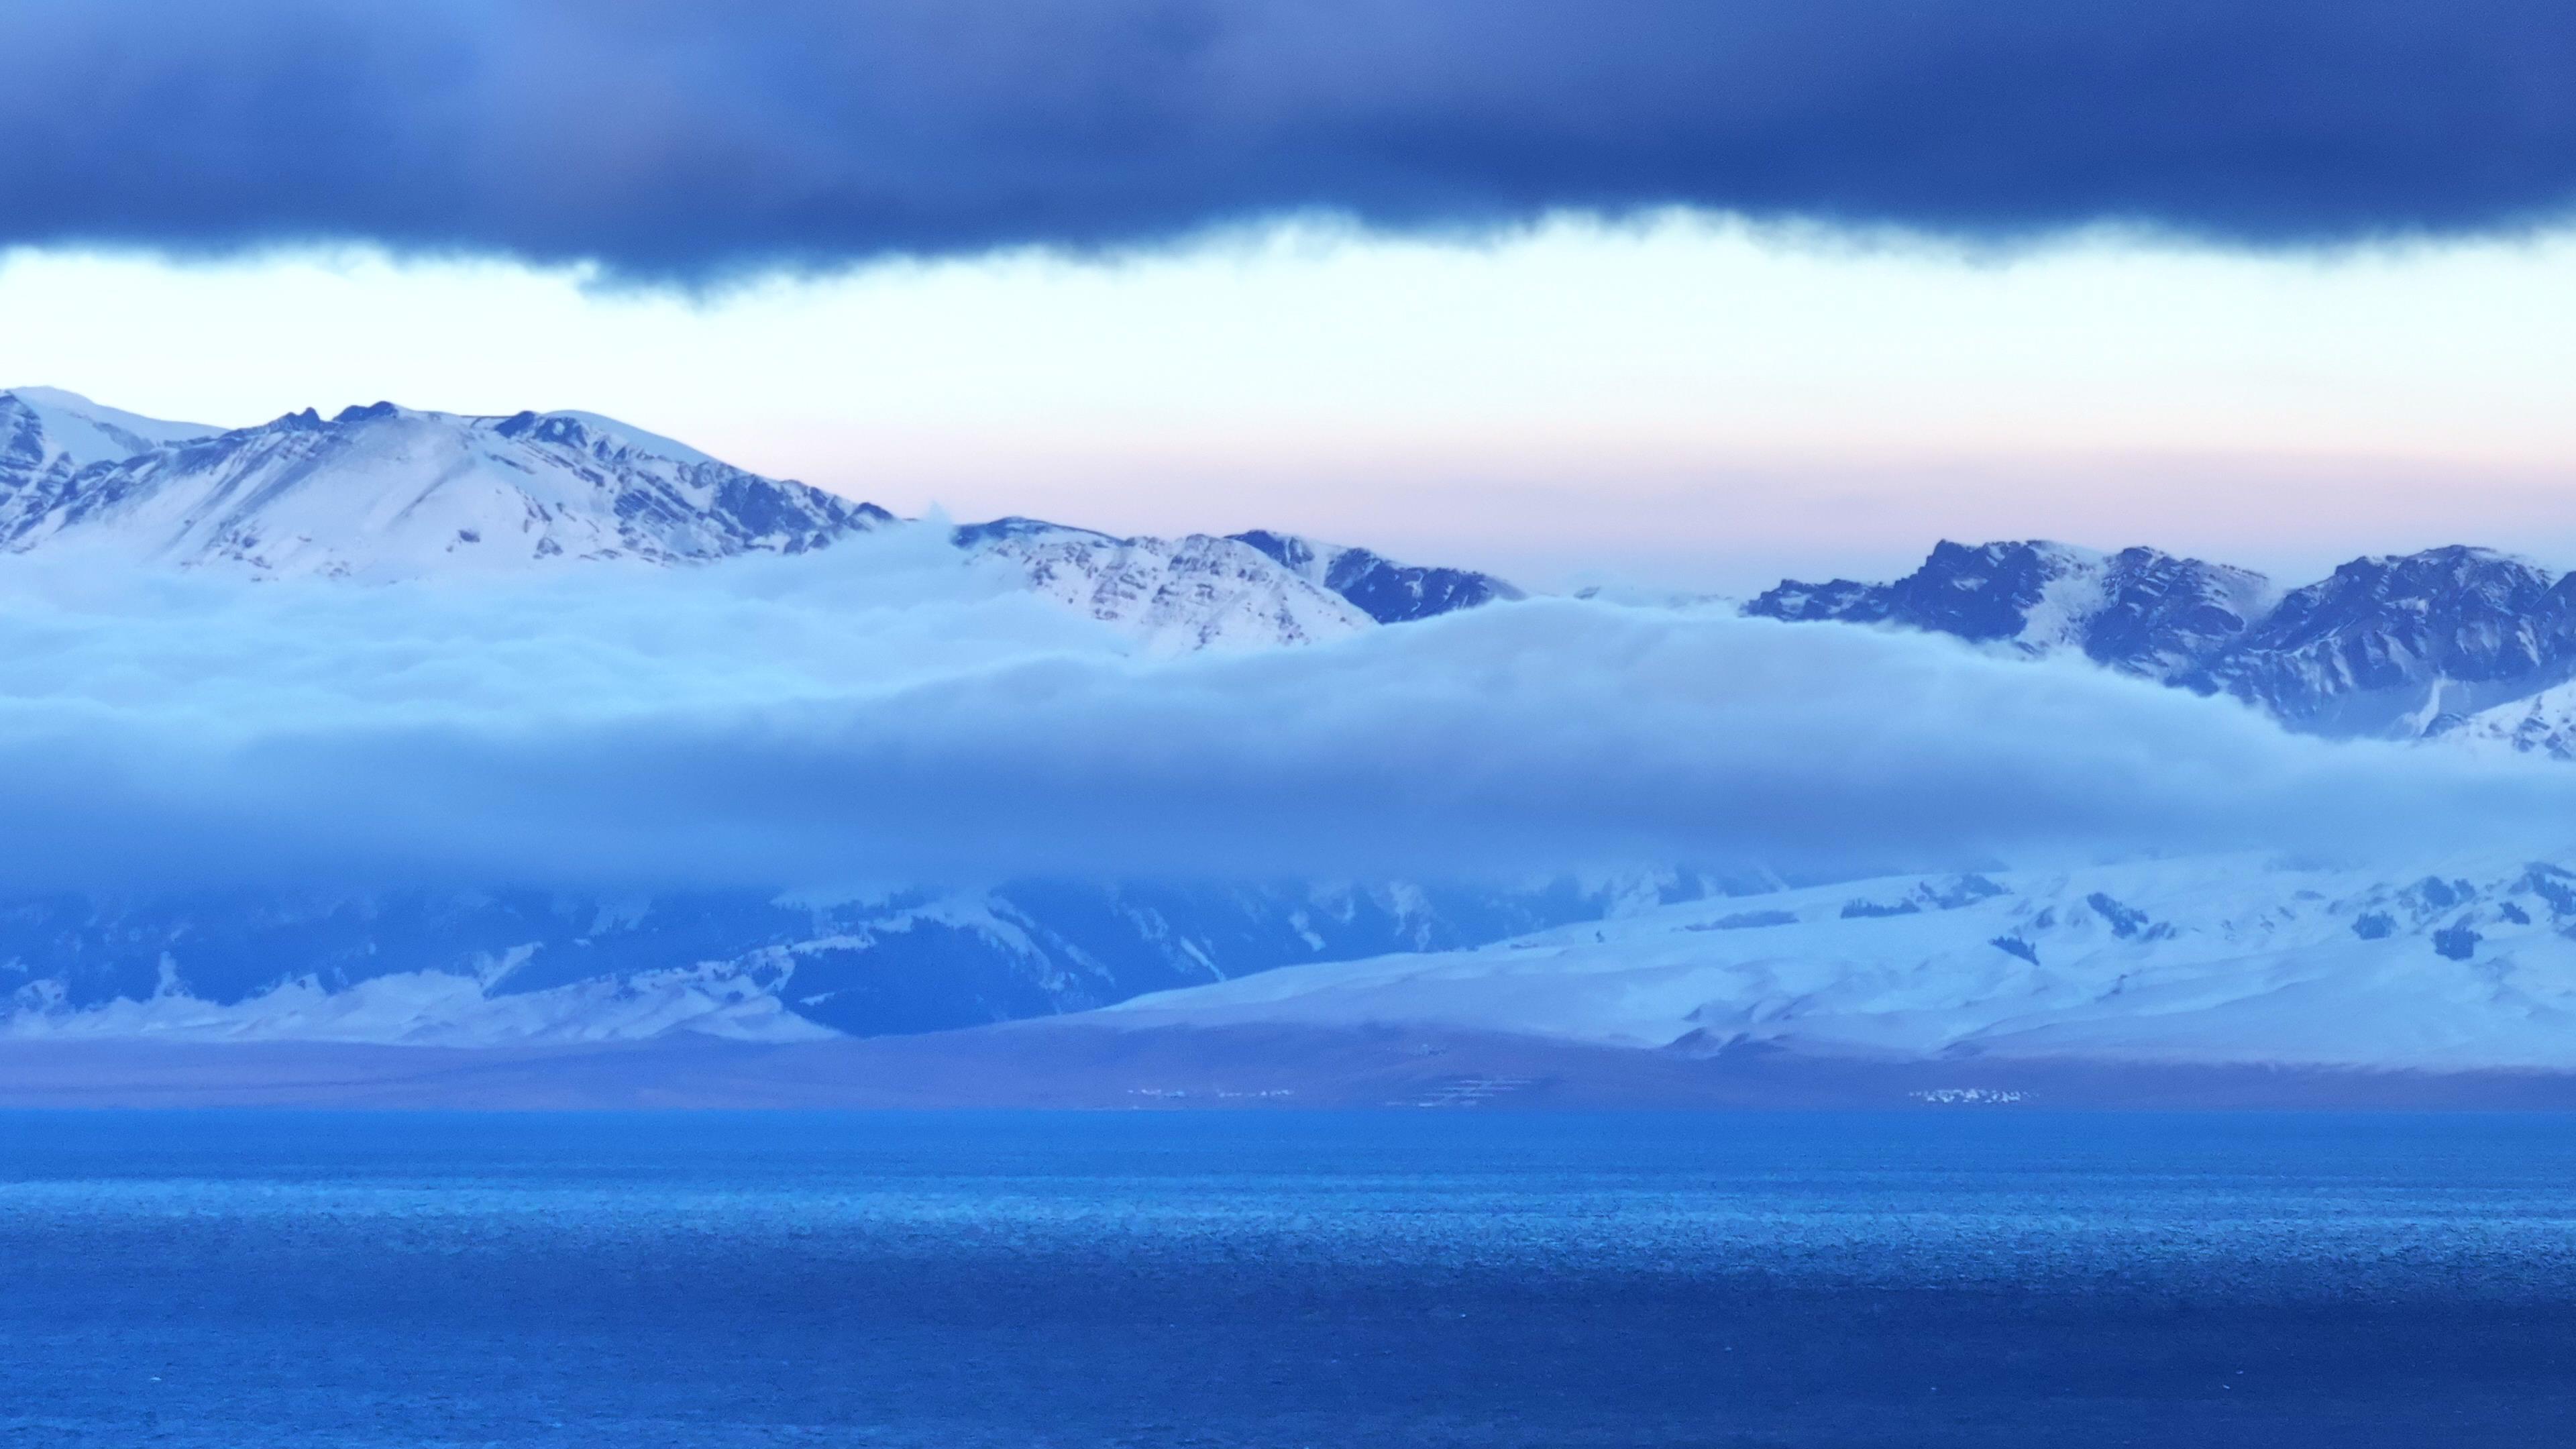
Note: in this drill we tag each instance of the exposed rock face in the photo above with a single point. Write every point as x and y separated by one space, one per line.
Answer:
1193 592
2139 610
2387 646
2450 639
1387 591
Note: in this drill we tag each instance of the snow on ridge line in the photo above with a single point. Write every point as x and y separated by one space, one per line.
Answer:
385 492
1187 593
2218 960
380 491
431 1008
2391 646
631 435
47 429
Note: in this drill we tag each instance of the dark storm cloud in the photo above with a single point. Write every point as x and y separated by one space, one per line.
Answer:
686 138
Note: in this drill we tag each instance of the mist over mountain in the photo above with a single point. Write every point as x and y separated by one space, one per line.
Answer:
403 726
382 498
388 493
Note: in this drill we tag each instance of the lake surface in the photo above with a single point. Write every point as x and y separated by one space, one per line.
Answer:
1965 1277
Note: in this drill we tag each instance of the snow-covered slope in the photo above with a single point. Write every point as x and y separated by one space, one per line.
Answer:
439 1008
2400 646
1193 592
2216 960
2544 724
386 492
1387 591
48 434
464 968
2141 611
2389 645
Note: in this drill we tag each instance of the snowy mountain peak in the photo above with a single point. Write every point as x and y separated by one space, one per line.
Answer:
2460 564
2459 641
2161 612
1192 592
45 430
1983 592
2452 580
2140 610
383 491
1387 591
601 437
2389 644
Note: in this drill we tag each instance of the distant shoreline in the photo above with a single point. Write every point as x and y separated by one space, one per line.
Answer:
1086 1066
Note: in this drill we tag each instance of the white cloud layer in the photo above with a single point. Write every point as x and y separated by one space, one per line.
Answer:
876 713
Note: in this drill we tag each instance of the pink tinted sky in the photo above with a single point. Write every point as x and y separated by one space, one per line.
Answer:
1690 403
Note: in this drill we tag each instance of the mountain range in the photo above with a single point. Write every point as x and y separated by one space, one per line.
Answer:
2456 641
381 493
2471 965
2453 641
2464 963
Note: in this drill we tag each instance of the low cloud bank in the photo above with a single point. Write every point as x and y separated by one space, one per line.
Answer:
879 714
688 139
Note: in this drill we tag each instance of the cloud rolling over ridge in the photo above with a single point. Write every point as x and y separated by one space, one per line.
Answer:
683 139
879 715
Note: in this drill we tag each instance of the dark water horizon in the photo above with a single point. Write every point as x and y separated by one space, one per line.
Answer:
1991 1277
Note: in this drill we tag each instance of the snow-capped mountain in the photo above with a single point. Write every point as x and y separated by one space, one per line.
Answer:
387 492
2465 964
2404 647
47 434
1257 589
2544 724
2139 610
384 492
1193 592
423 967
2391 645
2214 960
1387 591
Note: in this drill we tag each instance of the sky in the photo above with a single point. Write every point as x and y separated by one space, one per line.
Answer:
1680 294
1674 294
1688 400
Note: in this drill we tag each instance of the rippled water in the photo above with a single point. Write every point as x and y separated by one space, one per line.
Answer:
1978 1277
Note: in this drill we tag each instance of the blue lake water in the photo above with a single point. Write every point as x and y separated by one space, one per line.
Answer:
1978 1277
